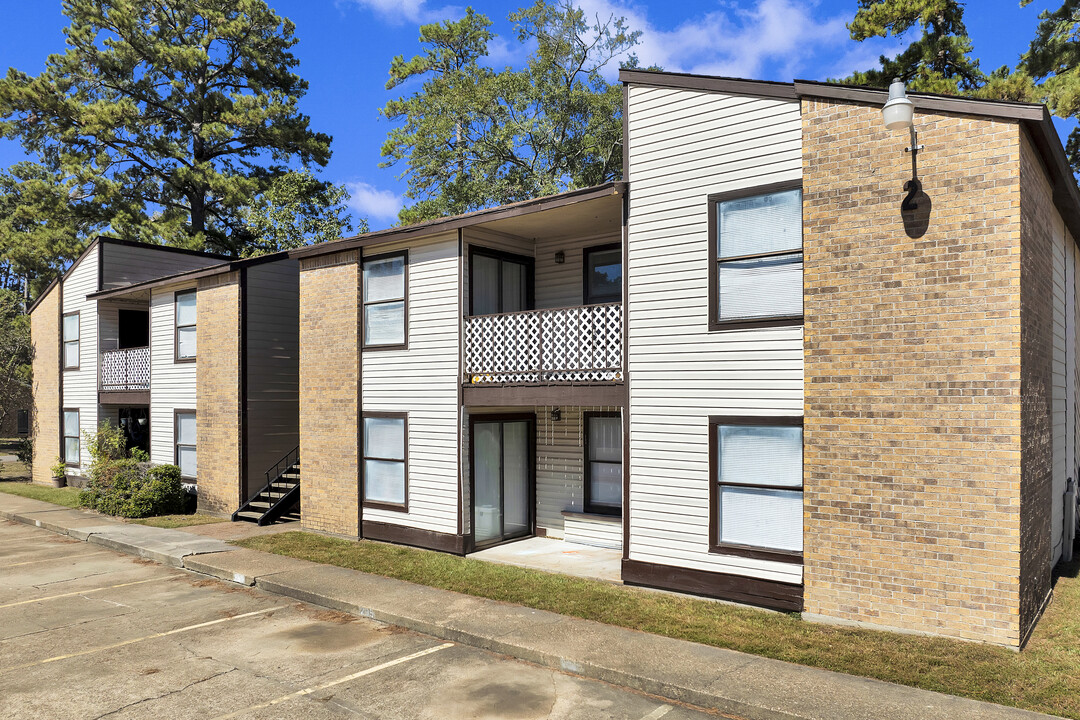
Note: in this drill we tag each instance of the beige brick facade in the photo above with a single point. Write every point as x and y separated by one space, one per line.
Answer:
329 387
913 372
45 412
218 409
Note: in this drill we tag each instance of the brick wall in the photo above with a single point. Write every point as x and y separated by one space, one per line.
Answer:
329 376
912 351
1037 219
218 407
45 411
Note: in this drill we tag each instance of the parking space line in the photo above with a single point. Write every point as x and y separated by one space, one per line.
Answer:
61 557
332 683
658 713
85 592
141 639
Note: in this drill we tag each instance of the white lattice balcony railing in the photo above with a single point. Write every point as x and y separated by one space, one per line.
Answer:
571 345
125 369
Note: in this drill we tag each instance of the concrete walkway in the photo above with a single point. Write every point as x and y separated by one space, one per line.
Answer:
735 683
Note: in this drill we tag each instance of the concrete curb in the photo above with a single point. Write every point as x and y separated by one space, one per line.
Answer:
734 683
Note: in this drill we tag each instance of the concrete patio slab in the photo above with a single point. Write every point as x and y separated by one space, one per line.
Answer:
558 556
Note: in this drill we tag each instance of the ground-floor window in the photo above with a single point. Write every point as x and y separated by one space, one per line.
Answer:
603 463
185 438
71 437
385 460
756 494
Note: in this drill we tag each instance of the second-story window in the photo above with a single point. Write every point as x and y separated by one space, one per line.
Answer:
185 326
71 341
499 282
756 276
385 292
603 274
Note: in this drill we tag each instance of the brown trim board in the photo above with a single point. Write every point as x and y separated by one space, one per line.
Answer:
608 395
761 88
416 537
124 397
752 591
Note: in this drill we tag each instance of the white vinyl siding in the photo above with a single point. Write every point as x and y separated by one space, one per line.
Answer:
423 382
684 146
172 384
80 386
1062 299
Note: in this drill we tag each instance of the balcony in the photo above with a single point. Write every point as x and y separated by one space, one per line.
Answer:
575 345
125 371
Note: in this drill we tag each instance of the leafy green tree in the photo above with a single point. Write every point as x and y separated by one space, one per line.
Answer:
41 227
1053 60
472 136
297 209
15 354
939 60
167 116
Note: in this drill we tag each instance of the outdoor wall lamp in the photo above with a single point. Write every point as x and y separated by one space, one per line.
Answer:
560 257
556 415
898 114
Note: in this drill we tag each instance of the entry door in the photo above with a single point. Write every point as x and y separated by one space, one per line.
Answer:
502 479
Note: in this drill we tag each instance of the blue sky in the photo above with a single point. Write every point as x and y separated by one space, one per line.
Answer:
346 46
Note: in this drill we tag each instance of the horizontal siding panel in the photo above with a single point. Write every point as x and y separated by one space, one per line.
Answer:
172 384
80 386
685 145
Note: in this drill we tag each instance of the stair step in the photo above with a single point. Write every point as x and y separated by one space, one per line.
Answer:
248 515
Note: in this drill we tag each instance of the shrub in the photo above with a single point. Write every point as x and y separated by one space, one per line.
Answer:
25 451
128 486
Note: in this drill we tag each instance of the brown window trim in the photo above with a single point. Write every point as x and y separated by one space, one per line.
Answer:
530 275
587 474
747 551
586 298
64 436
176 434
63 342
373 504
404 300
177 325
715 322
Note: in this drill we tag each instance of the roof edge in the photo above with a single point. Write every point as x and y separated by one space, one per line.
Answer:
454 222
193 274
689 81
926 102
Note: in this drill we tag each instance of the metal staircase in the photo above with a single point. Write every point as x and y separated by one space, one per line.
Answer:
280 499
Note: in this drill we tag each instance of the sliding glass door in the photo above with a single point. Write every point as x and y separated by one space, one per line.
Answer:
502 479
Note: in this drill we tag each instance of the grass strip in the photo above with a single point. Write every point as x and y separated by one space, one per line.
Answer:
66 496
1045 677
178 521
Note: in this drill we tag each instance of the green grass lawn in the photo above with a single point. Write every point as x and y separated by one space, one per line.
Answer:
178 521
1045 677
68 497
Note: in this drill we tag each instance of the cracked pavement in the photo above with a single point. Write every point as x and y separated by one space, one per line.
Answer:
106 635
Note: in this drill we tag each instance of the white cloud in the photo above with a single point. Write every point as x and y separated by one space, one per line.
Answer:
765 39
399 12
377 206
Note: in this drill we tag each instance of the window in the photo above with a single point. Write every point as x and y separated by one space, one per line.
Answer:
385 447
185 437
499 282
603 463
385 318
185 326
71 437
71 341
603 274
756 495
756 271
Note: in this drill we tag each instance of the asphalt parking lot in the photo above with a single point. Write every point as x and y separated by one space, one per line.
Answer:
86 632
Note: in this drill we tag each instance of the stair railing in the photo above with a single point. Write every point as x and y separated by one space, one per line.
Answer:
272 475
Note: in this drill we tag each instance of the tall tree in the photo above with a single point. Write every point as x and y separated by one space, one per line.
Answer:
297 209
41 227
472 136
1053 60
169 116
15 353
939 60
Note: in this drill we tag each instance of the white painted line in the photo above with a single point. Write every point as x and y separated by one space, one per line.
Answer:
332 683
658 713
141 639
86 592
52 559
